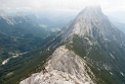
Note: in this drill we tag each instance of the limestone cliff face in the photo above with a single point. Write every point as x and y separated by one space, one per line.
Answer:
64 67
90 22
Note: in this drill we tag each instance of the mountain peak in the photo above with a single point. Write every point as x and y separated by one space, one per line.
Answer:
88 22
98 7
91 9
96 58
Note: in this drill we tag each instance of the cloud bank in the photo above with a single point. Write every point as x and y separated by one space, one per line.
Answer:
107 5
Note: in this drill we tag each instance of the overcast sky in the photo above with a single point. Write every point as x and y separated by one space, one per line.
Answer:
108 6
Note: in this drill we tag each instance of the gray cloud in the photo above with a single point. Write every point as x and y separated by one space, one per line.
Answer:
109 6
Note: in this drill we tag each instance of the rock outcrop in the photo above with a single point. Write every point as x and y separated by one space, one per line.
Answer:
64 67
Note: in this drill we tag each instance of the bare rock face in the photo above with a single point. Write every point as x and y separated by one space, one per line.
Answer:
64 67
90 22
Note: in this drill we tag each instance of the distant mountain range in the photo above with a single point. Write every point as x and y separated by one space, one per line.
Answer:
23 33
119 25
